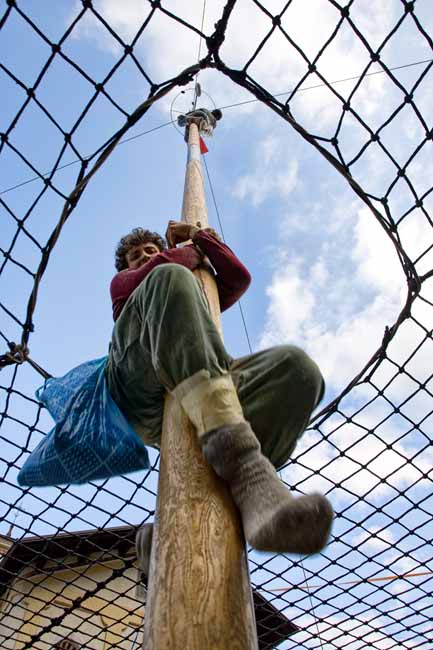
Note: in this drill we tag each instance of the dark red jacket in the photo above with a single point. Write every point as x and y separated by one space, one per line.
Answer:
232 278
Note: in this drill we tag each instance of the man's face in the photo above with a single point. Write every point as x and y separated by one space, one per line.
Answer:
140 254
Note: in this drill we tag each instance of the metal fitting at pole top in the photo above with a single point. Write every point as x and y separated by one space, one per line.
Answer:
205 120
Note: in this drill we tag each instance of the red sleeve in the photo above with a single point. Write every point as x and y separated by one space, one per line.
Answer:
232 278
124 283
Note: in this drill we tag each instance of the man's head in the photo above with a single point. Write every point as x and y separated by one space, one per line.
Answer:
137 248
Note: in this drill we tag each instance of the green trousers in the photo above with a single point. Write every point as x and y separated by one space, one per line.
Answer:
165 335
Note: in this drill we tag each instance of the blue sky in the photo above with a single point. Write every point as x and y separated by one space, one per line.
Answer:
325 276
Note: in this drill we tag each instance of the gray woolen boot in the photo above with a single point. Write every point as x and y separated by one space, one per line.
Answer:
273 520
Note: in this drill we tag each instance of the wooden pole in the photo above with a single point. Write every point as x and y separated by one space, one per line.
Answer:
199 595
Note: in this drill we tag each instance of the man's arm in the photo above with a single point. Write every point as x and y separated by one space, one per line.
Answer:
232 278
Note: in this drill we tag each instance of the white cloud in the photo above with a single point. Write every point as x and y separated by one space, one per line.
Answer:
374 541
311 308
353 631
416 233
291 305
366 461
271 176
166 47
343 351
376 259
335 303
336 300
320 274
278 67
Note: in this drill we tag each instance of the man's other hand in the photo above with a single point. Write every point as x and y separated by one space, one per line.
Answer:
212 232
178 232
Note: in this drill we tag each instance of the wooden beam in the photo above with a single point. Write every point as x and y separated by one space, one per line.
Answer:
199 594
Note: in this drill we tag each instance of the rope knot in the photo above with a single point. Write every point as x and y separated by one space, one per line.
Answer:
18 353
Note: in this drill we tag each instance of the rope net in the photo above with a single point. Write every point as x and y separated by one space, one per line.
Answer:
372 585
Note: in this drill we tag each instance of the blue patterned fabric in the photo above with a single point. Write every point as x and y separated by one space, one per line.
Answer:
91 440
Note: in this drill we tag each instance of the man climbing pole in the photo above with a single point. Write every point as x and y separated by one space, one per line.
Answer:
248 412
168 380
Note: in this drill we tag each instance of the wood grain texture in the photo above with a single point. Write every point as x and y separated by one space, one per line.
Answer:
199 594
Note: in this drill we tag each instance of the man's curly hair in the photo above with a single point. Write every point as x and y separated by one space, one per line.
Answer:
134 238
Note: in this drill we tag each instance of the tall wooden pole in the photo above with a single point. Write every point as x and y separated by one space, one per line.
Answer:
199 595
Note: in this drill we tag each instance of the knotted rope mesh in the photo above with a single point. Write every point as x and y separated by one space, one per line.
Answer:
371 587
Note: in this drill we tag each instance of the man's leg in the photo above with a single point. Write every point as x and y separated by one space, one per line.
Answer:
272 519
163 336
165 326
278 388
